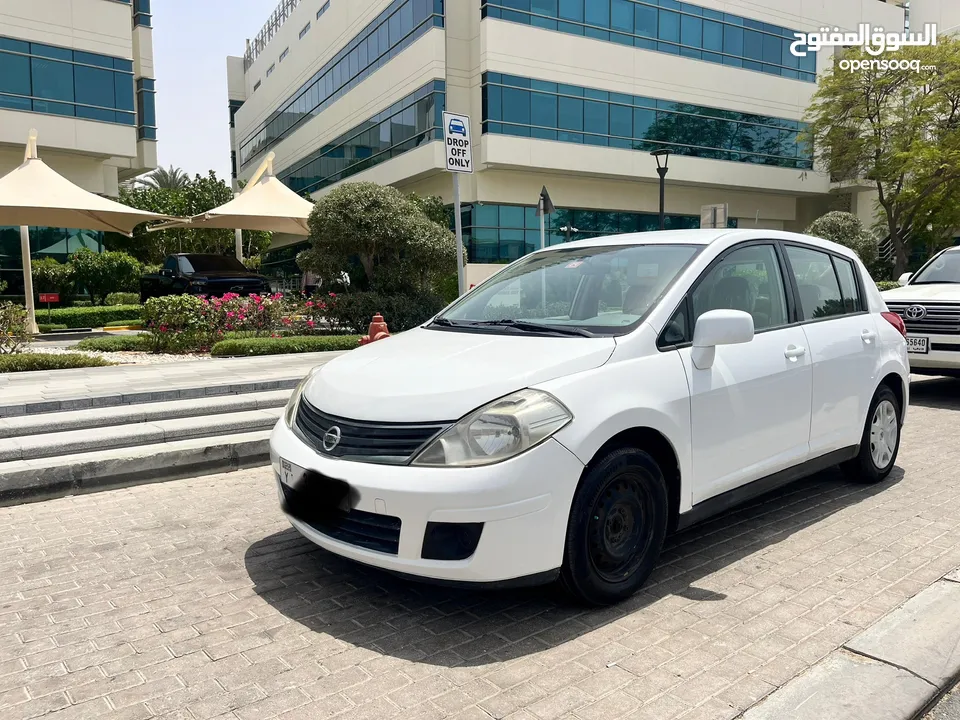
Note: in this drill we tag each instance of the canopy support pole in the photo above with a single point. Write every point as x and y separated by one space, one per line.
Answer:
31 152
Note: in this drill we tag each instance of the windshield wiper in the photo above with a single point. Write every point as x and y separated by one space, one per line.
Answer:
527 326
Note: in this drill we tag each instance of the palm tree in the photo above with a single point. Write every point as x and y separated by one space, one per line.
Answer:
166 178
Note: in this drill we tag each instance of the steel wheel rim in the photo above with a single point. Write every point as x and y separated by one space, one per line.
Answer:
620 528
884 432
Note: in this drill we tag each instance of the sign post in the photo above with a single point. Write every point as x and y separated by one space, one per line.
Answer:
459 159
49 298
544 207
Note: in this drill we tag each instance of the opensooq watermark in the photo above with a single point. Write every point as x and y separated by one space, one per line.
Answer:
874 41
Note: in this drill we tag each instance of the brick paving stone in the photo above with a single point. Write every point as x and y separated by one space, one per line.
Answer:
185 602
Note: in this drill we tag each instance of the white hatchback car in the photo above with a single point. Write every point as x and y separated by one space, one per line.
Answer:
929 303
640 384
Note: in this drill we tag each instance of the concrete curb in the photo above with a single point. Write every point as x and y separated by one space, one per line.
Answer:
114 399
47 478
894 670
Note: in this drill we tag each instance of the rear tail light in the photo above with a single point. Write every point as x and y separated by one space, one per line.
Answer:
896 321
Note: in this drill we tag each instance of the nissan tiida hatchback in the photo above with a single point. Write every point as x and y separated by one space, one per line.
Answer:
561 418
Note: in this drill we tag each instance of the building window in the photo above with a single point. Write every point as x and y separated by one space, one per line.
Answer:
141 13
233 106
58 243
58 81
389 34
256 86
271 69
146 109
503 233
233 164
407 124
306 29
678 28
286 51
322 10
550 111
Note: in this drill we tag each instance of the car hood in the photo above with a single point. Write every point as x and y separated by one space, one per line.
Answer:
431 375
941 292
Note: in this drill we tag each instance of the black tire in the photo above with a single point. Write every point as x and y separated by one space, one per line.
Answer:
866 467
617 524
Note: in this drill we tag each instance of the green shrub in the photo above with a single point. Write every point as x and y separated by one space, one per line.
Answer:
50 327
81 303
284 345
51 276
105 273
25 362
123 323
122 298
116 343
177 323
91 317
354 311
887 285
13 328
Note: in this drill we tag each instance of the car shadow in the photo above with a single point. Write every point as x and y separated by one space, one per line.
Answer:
413 621
942 393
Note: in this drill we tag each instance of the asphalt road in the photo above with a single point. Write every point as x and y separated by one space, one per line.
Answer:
948 708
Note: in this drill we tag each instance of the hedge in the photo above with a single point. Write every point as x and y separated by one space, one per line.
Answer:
116 343
50 327
124 323
122 298
887 285
91 317
25 362
284 345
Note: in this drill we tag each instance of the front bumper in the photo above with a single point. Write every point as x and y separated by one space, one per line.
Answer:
523 503
944 353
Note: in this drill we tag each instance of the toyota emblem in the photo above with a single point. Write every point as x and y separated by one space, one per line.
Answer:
915 312
331 438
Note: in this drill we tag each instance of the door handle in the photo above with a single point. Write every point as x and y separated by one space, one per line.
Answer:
868 336
793 352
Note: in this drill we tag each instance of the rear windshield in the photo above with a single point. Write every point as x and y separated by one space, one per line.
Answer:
210 263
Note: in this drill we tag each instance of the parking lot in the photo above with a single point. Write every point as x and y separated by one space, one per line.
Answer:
194 599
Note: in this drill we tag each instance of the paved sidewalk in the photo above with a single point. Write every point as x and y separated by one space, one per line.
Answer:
59 385
194 599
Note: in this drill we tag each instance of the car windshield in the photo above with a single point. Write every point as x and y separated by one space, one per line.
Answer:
572 291
210 263
944 269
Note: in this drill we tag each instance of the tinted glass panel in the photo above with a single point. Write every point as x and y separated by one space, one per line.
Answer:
95 86
14 74
852 301
817 282
749 280
52 79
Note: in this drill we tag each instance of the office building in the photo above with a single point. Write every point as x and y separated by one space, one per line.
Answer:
570 94
80 72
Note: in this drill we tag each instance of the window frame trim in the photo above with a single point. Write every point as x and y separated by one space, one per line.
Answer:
830 254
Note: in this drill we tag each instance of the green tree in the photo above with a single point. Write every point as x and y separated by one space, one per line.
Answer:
899 129
397 245
199 195
105 273
171 178
846 229
52 276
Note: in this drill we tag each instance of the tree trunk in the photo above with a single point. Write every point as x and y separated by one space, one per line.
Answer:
902 257
366 261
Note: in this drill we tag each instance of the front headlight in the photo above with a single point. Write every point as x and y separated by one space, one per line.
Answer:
290 413
498 431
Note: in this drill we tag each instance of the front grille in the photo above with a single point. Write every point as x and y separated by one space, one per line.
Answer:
389 443
941 318
370 531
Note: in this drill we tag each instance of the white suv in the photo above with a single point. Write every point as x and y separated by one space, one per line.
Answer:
929 303
559 419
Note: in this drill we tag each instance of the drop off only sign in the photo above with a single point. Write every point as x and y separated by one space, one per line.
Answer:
456 141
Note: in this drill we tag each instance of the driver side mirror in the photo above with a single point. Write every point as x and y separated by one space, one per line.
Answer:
905 278
166 272
719 327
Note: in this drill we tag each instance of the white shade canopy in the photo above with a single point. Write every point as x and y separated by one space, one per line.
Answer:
265 204
34 194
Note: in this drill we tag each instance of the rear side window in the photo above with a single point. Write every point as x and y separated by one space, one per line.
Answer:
852 300
817 282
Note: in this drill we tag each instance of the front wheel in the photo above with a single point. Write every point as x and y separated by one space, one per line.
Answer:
617 524
880 442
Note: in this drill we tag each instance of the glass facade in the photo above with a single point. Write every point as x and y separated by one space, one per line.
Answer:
146 109
567 113
59 81
503 233
405 125
58 243
667 26
389 34
141 13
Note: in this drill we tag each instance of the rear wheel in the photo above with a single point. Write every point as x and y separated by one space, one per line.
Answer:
617 524
880 442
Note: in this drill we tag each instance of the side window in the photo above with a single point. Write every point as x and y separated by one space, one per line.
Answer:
170 264
747 279
817 282
675 333
852 301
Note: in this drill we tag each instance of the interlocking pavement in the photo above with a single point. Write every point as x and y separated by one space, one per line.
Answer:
194 599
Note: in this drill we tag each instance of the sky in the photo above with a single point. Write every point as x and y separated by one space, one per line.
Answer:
191 41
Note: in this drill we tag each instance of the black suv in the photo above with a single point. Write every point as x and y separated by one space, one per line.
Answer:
198 274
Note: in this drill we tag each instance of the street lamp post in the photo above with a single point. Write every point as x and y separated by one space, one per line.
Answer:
662 172
569 229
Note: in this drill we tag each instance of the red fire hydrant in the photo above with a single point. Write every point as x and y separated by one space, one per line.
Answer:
378 330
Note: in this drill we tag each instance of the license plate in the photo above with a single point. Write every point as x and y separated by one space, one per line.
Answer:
312 497
918 345
290 473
